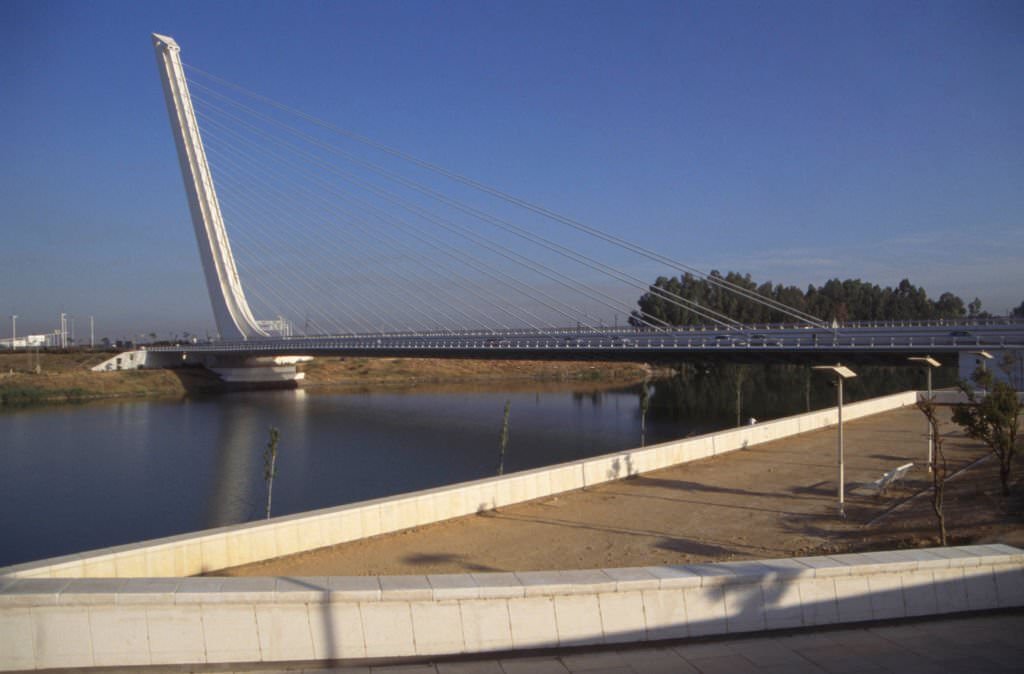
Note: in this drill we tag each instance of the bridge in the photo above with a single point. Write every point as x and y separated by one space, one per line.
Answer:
412 271
869 344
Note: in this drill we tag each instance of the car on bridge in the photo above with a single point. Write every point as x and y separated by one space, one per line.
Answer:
765 340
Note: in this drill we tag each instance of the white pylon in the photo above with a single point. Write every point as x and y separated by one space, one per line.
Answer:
230 309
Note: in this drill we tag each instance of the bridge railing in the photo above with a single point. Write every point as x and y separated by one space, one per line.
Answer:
939 325
810 340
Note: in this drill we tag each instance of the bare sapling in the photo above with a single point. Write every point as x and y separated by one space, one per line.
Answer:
645 404
503 443
270 465
938 466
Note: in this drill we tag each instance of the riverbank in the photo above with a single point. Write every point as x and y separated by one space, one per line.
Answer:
53 378
332 373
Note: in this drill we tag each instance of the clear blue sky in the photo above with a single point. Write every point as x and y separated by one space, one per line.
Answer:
795 141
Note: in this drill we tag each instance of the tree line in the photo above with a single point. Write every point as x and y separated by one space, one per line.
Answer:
841 301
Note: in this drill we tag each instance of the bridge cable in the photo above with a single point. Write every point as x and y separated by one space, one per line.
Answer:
684 303
397 272
673 298
522 203
527 262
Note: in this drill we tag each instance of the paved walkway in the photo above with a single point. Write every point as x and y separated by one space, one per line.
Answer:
772 500
974 644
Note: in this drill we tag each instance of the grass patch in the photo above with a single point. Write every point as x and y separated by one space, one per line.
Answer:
21 396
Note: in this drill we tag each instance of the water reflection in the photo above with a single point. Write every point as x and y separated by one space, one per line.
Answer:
231 497
720 396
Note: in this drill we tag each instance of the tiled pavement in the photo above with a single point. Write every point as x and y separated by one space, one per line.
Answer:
976 644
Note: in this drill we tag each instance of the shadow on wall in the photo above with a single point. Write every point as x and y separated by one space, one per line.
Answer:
339 618
771 601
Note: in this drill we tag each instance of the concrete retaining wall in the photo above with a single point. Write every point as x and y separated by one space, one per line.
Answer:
46 623
213 549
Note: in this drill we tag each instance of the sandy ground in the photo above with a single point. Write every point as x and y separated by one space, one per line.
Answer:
768 501
66 377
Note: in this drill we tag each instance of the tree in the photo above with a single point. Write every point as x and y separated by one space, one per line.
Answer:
1019 311
949 306
938 467
849 300
992 417
974 310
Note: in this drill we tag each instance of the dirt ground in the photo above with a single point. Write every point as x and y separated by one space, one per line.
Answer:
772 500
31 377
360 372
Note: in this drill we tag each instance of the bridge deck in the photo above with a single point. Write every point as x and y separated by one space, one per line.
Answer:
866 344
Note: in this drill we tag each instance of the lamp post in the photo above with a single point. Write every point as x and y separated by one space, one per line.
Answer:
983 358
929 364
842 372
14 329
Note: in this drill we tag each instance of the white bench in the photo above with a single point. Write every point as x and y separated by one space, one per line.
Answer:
879 486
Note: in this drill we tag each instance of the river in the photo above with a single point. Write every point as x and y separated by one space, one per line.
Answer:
79 477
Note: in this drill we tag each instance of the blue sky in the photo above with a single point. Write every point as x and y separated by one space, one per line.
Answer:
795 141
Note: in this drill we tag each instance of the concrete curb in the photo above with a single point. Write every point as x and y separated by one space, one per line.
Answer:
47 623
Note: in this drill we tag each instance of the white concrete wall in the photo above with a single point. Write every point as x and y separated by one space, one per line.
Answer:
47 623
213 549
128 360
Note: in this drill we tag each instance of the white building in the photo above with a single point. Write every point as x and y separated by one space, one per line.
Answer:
30 341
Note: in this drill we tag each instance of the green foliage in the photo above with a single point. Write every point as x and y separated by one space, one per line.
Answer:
21 396
991 415
849 300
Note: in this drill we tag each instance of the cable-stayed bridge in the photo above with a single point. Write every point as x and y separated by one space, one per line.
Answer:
340 245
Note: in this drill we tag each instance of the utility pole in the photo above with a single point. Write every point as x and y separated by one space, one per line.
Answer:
92 334
14 329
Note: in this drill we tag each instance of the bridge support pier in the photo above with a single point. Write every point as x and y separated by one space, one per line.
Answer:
233 371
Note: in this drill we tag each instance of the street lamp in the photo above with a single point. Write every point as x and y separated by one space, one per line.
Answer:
842 372
984 357
14 329
929 364
982 360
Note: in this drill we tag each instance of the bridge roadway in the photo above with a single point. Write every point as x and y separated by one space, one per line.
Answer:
867 344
